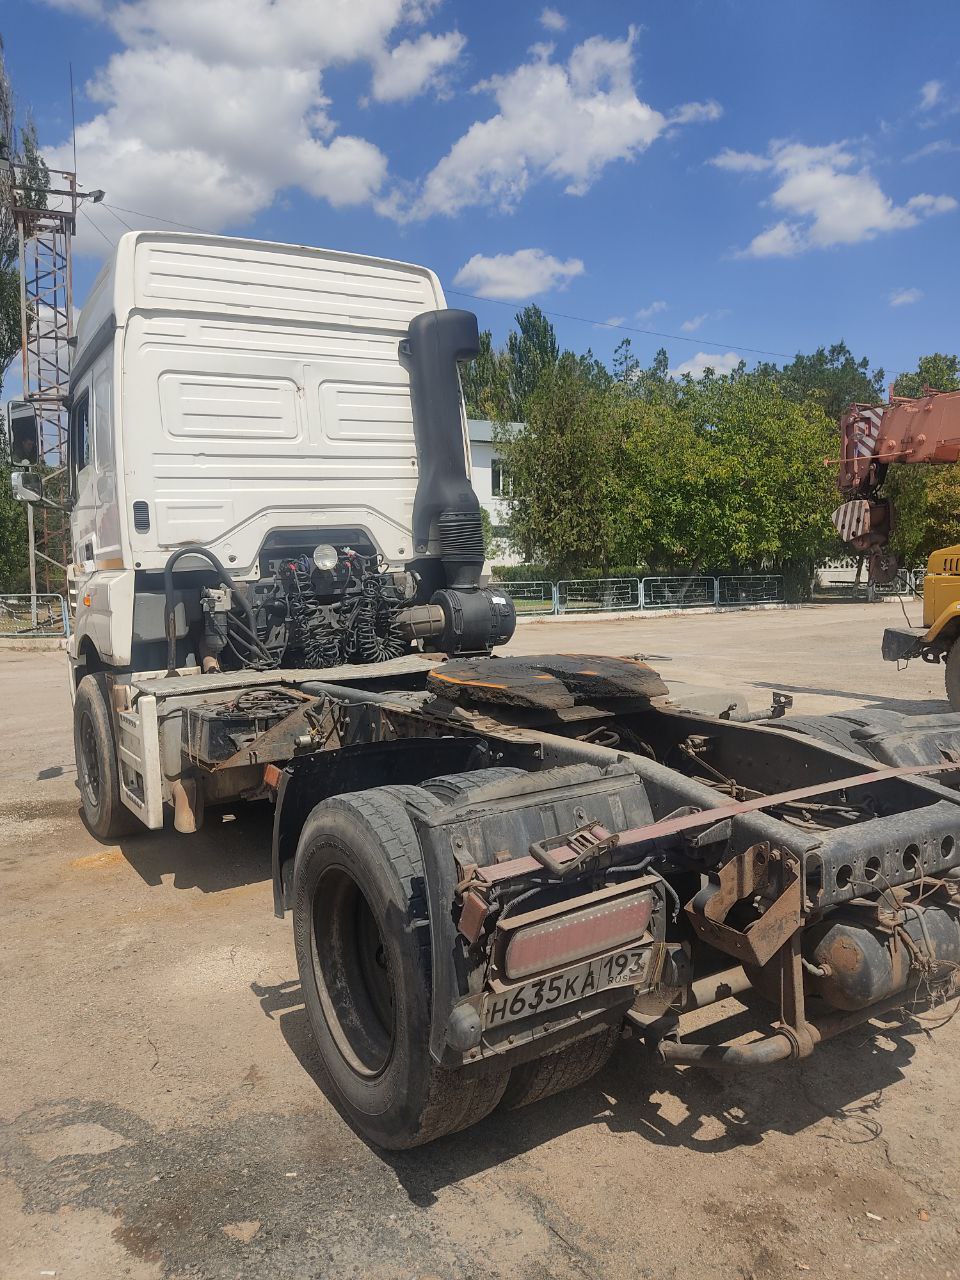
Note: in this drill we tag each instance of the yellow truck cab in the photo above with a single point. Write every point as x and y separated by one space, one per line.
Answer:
941 623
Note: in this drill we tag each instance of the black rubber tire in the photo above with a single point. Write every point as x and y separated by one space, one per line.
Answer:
97 769
951 674
359 861
564 1069
451 787
568 1067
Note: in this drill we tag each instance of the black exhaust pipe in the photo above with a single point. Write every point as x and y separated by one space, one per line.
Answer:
446 511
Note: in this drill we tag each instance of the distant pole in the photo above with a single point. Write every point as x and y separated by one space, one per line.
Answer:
32 544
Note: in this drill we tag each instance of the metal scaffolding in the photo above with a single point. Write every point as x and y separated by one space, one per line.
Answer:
46 309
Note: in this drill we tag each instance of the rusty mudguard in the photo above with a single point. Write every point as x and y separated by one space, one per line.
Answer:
468 848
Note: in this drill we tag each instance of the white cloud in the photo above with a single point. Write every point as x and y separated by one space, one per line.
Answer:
697 113
612 322
942 147
930 94
552 20
411 66
697 365
782 240
516 276
210 109
739 161
903 297
560 120
654 309
85 8
694 323
826 199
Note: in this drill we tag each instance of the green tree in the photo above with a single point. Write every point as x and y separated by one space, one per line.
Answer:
483 380
938 372
565 464
832 376
531 351
729 477
498 384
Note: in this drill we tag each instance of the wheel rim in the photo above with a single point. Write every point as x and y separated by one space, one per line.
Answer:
89 761
352 973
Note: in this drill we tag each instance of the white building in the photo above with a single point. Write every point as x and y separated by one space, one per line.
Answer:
492 485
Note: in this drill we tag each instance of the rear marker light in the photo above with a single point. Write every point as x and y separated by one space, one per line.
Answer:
537 947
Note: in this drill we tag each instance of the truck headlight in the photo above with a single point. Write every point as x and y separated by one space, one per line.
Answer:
325 557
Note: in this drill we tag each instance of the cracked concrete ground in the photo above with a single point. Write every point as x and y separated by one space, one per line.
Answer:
162 1111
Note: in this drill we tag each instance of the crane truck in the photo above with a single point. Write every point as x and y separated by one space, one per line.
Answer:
921 431
496 866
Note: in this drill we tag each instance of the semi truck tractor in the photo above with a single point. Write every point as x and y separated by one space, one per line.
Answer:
496 866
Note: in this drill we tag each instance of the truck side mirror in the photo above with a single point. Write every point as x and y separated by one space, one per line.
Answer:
23 433
27 486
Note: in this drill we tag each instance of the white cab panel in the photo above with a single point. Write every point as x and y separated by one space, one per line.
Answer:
262 389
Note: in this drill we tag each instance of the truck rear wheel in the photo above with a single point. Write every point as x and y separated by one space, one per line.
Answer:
951 674
559 1071
97 770
449 788
362 938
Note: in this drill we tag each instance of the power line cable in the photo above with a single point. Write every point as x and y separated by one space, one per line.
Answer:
608 324
139 213
102 234
123 222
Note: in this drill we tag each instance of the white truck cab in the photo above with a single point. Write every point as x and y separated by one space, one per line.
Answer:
223 390
268 473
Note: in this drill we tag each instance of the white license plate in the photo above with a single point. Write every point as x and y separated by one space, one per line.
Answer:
620 968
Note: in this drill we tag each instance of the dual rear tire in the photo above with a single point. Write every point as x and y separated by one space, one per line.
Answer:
363 944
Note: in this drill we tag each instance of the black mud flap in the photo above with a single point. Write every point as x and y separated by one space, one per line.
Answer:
309 779
507 818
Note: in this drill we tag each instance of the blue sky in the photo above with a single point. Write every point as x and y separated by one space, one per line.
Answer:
759 174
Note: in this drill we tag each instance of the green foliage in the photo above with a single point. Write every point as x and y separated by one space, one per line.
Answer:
652 385
14 575
721 474
729 477
565 463
498 384
832 376
532 351
482 381
937 372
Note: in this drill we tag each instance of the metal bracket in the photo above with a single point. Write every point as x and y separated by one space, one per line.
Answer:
743 877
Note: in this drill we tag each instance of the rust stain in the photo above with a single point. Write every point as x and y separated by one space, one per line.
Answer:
97 861
479 684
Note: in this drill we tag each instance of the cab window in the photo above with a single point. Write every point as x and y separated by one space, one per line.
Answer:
80 441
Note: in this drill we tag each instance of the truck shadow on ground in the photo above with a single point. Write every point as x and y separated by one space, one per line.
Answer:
705 1110
868 700
230 850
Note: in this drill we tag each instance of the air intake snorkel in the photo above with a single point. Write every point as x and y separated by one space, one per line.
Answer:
446 511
